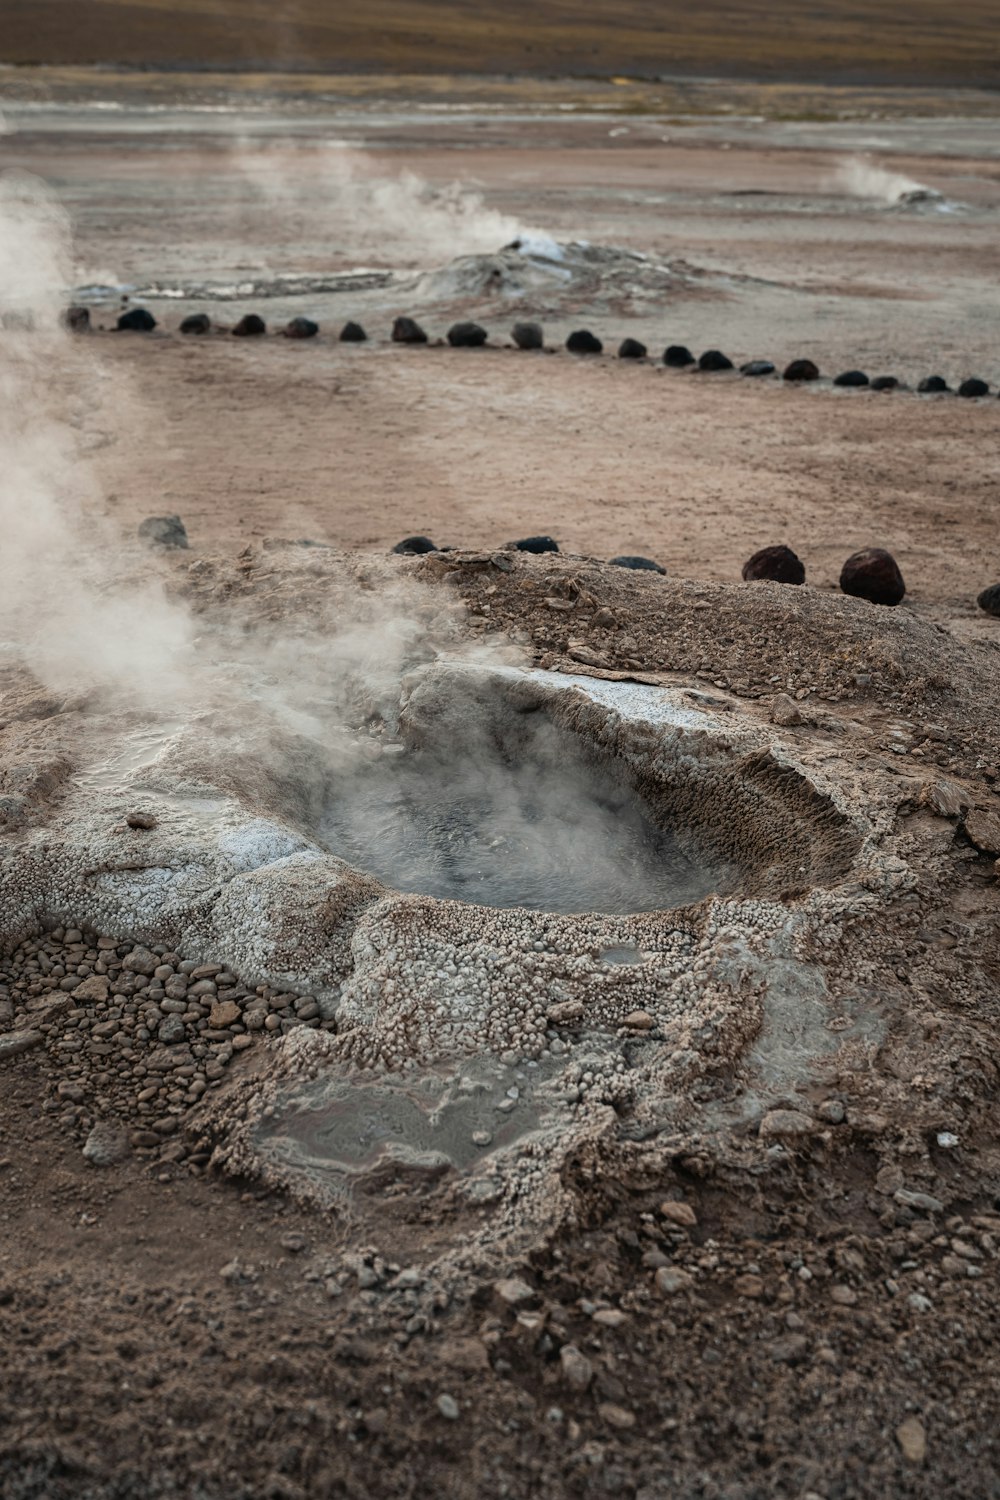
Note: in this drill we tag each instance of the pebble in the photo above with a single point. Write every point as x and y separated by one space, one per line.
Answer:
800 369
714 360
932 383
907 1198
577 1369
973 387
778 564
582 341
447 1406
300 328
512 1291
852 378
831 1112
107 1144
678 356
467 336
141 820
679 1213
196 323
616 1416
785 1122
353 333
408 331
639 1020
13 1043
671 1279
911 1436
250 326
632 349
873 574
528 335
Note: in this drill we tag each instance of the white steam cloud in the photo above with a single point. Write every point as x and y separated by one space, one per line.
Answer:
862 178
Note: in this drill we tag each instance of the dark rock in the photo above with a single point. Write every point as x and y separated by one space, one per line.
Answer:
631 349
989 600
757 367
466 336
533 544
584 342
973 387
528 335
163 531
885 383
301 328
353 333
933 383
77 319
196 323
776 564
250 326
643 564
800 369
678 356
873 575
136 320
714 359
853 378
408 331
413 545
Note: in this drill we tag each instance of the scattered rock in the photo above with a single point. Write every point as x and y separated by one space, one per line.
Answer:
983 827
931 383
528 335
885 383
577 1370
844 1296
778 1123
639 1020
196 323
679 1213
774 564
412 546
107 1144
300 328
785 712
143 820
627 560
163 531
669 1280
250 326
408 331
831 1112
873 574
171 1030
755 367
135 320
631 349
912 1439
790 1349
512 1291
93 991
293 1242
533 544
989 600
467 336
616 1416
353 333
852 378
447 1406
973 387
77 319
800 369
925 1202
582 341
678 356
13 1043
223 1013
713 360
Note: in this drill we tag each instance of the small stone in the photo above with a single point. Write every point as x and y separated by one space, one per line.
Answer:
300 328
170 1030
873 574
678 356
13 1043
145 821
164 531
414 546
640 564
77 319
671 1279
844 1296
564 1011
790 1349
973 387
679 1213
353 333
639 1020
250 326
408 331
946 1140
610 1317
989 600
777 564
447 1406
631 349
616 1416
757 367
714 360
582 341
93 990
785 712
512 1291
749 1286
577 1369
223 1013
932 383
107 1144
885 383
912 1439
135 320
983 828
467 336
197 324
944 798
785 1122
293 1242
481 1138
907 1198
528 335
831 1112
800 369
535 544
852 378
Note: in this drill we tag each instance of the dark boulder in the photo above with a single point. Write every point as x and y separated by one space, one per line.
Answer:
852 378
885 383
714 359
301 328
250 326
533 544
135 320
414 545
631 349
77 319
989 600
466 336
353 333
528 335
973 387
408 331
641 564
874 575
678 356
800 369
774 564
932 383
582 341
757 367
196 323
163 531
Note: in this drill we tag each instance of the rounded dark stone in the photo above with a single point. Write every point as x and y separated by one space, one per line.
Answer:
989 600
414 545
466 336
582 341
136 320
534 544
250 326
933 383
973 387
714 359
408 331
163 531
800 369
301 328
873 574
196 323
774 564
528 335
678 356
631 349
885 383
353 333
641 564
853 378
757 367
77 319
